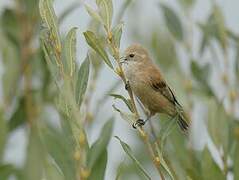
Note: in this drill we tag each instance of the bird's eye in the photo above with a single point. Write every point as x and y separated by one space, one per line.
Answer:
131 55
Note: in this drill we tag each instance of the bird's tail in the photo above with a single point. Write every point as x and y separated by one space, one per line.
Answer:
183 120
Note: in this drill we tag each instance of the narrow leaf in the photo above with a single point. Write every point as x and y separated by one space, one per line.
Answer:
219 25
218 125
60 149
81 84
3 134
117 32
106 12
237 61
10 77
210 169
129 152
119 171
100 144
70 52
201 74
98 170
93 14
236 159
95 44
173 22
52 171
49 18
19 116
129 117
127 102
163 164
186 4
34 163
166 130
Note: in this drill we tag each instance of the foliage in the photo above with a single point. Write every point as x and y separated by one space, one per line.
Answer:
41 73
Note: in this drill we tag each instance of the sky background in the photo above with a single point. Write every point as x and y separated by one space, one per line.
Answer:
148 13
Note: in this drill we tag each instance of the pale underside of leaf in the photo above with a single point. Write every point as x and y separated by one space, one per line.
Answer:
96 45
129 152
49 17
70 46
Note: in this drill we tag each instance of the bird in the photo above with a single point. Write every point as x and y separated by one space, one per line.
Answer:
146 81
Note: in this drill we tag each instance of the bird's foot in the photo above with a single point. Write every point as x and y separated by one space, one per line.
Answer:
138 123
127 86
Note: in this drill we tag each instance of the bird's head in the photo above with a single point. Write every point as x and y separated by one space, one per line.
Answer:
135 54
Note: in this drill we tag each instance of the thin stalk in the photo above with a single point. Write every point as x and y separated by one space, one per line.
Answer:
25 55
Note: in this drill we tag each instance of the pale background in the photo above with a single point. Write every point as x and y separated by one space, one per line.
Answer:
149 14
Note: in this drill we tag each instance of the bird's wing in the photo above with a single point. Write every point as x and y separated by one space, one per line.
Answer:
160 85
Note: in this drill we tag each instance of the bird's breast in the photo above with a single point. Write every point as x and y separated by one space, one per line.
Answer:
152 100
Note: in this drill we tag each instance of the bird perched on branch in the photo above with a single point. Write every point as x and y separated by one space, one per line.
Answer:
147 83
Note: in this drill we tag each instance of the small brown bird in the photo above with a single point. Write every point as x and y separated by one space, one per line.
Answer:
147 83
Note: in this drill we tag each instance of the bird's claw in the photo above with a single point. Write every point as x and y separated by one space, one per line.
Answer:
139 122
127 86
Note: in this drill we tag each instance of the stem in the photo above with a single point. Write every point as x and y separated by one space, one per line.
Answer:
27 27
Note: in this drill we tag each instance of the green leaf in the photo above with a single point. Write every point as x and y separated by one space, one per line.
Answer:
237 61
173 22
18 117
49 56
98 170
49 18
69 61
3 134
31 8
10 26
214 28
106 12
206 37
119 170
82 80
52 172
117 32
10 77
6 170
219 24
129 152
127 102
35 157
60 149
186 3
163 165
95 44
236 160
100 145
129 117
166 130
163 47
218 125
201 75
210 169
93 14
